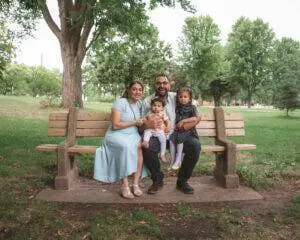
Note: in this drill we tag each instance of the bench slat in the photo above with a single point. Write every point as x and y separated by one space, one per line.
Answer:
234 124
47 148
204 148
58 116
93 124
235 132
210 132
228 124
241 147
93 116
228 117
90 132
100 132
57 123
57 132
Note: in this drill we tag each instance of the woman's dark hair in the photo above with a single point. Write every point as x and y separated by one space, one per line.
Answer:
125 94
185 89
157 99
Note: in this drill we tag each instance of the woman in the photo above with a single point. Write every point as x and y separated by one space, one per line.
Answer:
121 154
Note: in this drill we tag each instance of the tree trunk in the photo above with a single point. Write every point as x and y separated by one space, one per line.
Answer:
72 79
249 99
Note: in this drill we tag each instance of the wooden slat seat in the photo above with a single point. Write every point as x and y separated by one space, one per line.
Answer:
47 148
83 149
75 124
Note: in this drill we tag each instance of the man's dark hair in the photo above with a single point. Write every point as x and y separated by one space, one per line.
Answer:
157 99
160 75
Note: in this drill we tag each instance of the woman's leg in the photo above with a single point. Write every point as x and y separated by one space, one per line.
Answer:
137 175
126 193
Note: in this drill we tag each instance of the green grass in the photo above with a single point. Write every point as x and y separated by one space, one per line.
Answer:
278 148
24 172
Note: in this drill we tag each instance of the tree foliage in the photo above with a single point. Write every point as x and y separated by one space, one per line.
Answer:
20 79
286 74
121 58
83 22
6 49
249 53
200 51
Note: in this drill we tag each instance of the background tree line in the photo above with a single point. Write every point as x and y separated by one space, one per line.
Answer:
252 66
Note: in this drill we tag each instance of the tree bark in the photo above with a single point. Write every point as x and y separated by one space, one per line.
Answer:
72 79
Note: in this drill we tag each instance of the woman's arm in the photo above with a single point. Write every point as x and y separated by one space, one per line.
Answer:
118 124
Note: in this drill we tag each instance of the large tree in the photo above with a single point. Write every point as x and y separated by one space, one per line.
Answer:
82 22
200 51
249 53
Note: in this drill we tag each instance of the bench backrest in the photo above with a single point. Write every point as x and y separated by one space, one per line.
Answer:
94 124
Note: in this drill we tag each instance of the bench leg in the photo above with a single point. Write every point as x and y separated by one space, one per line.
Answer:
67 169
225 171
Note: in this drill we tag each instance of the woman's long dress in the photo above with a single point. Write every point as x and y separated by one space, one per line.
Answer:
118 156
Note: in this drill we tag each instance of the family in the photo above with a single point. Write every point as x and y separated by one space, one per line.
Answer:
139 134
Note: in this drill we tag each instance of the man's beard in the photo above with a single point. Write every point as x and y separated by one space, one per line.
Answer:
158 93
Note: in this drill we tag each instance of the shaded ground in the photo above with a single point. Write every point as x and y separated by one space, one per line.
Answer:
255 219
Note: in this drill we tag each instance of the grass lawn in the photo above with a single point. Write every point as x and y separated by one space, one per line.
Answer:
273 169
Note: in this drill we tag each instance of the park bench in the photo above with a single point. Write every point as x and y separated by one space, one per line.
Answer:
74 124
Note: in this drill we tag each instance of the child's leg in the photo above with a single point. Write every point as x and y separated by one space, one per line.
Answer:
163 144
146 138
179 150
172 151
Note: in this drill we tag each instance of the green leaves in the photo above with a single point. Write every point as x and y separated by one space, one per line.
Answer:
120 58
6 49
286 74
200 49
249 53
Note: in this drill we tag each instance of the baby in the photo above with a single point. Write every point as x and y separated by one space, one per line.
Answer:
157 109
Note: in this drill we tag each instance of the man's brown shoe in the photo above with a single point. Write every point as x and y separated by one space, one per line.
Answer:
154 188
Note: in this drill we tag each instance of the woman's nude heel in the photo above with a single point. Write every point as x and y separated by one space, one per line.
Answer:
126 193
136 190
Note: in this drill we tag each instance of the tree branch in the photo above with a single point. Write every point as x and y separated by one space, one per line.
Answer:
49 20
83 39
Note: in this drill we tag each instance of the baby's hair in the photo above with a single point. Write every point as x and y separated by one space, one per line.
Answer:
154 100
185 89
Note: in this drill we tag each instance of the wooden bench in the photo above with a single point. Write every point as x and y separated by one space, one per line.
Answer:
74 124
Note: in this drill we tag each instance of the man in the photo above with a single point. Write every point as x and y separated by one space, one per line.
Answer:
191 148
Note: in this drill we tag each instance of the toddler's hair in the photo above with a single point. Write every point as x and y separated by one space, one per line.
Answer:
185 89
157 99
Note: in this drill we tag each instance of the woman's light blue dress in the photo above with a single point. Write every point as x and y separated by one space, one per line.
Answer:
118 155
